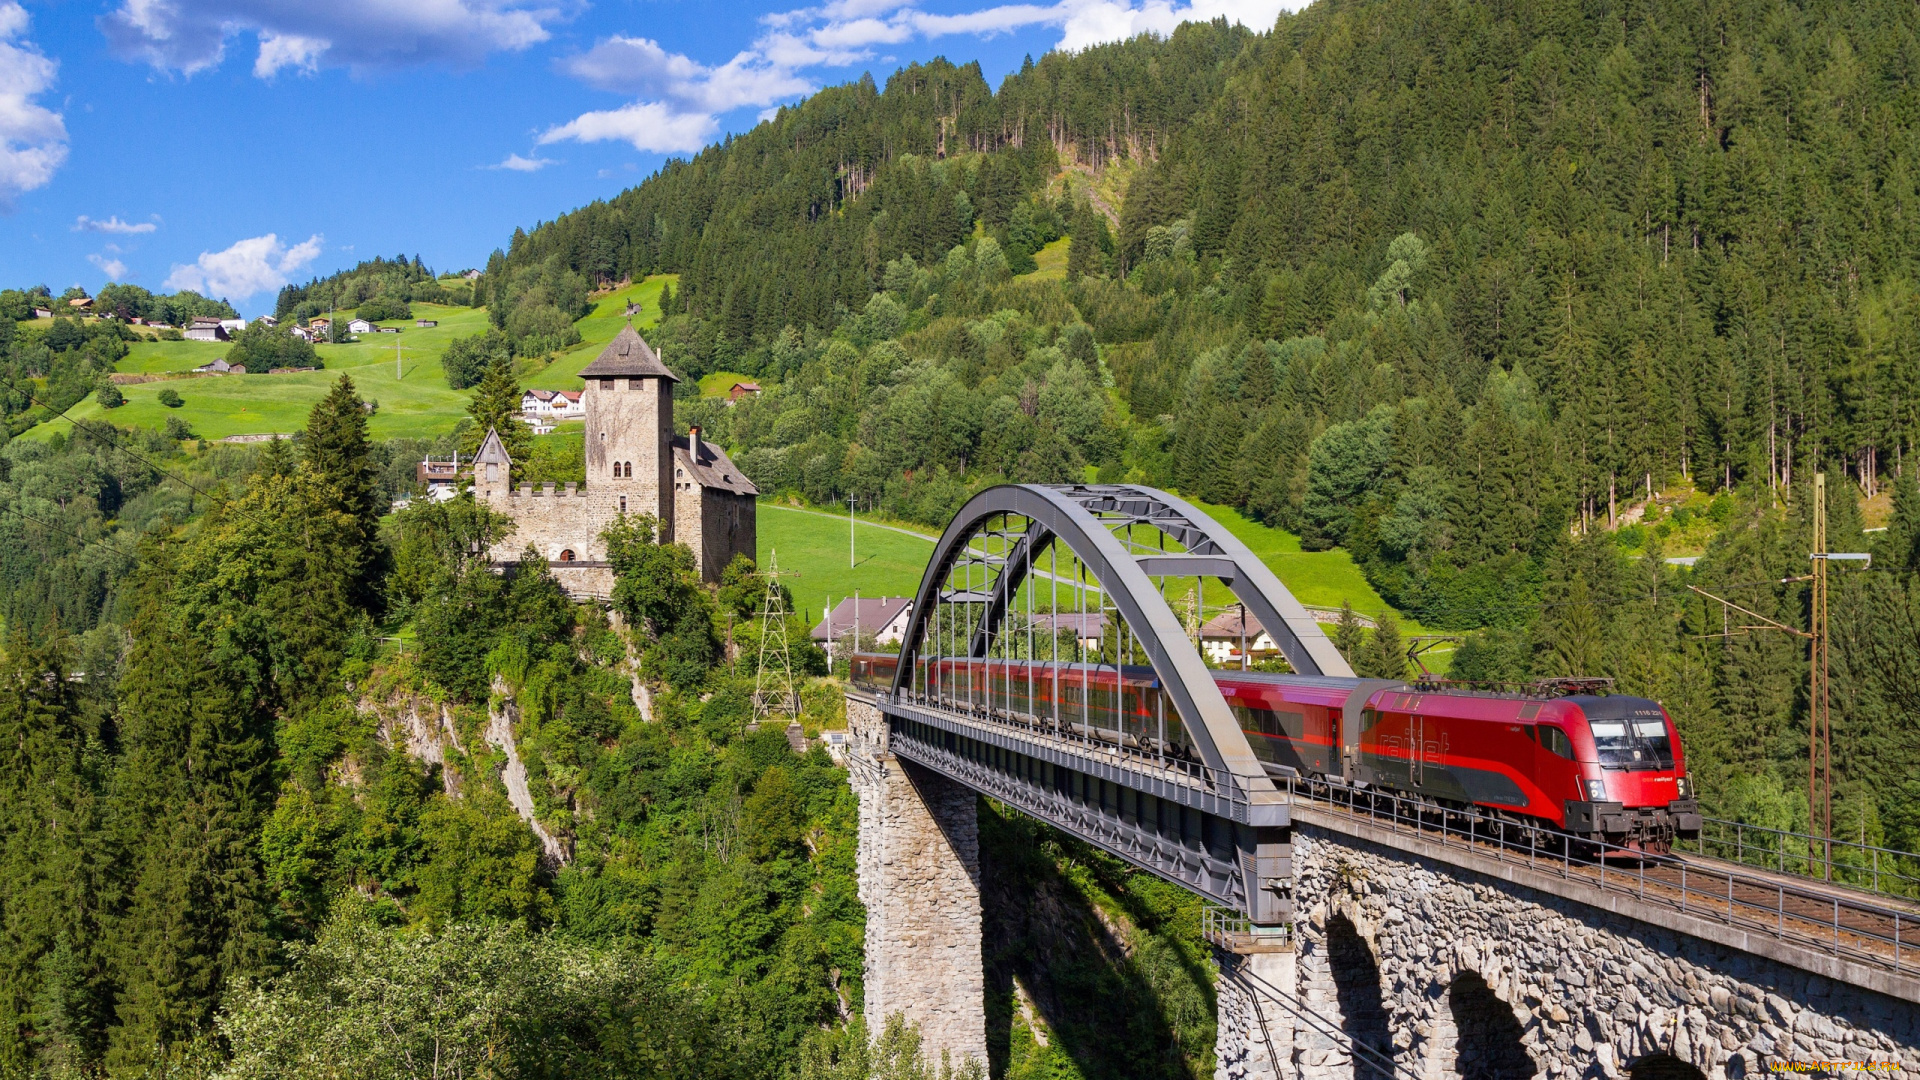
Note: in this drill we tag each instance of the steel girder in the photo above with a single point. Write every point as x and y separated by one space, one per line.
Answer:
1227 861
1211 724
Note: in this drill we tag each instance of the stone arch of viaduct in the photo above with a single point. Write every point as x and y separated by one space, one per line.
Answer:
1404 959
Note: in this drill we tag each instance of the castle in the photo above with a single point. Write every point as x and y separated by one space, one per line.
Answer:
634 465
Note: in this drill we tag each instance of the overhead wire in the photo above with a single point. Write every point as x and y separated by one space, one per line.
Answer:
104 431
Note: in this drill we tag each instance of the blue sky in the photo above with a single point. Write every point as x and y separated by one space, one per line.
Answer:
232 145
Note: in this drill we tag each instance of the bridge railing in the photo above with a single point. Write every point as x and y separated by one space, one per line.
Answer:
1826 919
1884 871
1084 741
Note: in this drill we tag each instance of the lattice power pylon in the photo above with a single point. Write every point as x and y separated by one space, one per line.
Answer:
773 689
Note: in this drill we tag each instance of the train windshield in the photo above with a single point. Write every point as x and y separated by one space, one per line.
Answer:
1629 733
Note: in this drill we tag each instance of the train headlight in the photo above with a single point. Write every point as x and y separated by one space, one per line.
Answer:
1597 790
1682 788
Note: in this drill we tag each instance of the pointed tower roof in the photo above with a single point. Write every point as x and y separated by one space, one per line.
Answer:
493 451
628 355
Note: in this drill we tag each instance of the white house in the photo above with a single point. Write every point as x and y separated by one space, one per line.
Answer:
233 326
1224 636
267 321
537 402
567 405
303 334
359 326
881 618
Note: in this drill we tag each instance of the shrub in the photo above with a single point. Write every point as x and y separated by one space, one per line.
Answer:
109 395
170 398
385 307
178 428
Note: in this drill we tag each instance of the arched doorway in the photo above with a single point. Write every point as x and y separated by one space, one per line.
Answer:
1488 1046
1663 1067
1356 983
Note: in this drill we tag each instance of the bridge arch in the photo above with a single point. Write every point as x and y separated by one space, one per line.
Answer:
1001 534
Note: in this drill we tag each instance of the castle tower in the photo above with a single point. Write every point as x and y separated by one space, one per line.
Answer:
629 404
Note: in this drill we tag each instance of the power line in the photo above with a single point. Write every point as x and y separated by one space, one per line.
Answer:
103 433
68 532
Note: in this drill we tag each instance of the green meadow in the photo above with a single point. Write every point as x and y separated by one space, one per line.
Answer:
413 396
890 563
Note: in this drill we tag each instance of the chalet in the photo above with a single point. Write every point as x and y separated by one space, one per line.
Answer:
221 367
537 402
386 330
471 275
436 475
304 334
233 326
268 321
426 324
875 620
80 303
567 405
1234 637
206 328
741 390
359 326
42 313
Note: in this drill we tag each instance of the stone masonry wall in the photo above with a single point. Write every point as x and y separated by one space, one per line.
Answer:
919 867
1456 975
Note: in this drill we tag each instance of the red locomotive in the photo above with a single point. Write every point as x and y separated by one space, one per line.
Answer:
1600 767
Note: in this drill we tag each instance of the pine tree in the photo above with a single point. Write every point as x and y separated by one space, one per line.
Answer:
54 877
1083 249
1385 656
339 454
1349 636
193 790
496 406
1898 547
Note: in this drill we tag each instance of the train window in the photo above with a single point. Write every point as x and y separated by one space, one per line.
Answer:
1368 718
1556 741
1293 725
1532 733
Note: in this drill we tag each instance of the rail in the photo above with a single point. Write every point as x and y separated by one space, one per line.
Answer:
1878 870
1096 745
1822 919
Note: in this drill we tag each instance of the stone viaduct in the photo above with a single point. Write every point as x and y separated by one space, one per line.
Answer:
1402 953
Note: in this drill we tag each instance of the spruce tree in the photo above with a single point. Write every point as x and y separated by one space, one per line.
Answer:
1896 548
1385 656
496 405
187 805
1348 635
339 454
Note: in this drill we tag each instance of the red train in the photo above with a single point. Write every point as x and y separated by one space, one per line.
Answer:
1601 767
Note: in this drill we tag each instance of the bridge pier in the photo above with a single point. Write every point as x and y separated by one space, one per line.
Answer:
1255 1037
919 867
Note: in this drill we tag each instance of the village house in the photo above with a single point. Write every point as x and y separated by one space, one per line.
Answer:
233 326
741 390
360 326
635 465
268 321
426 324
42 313
873 620
206 328
221 367
1234 637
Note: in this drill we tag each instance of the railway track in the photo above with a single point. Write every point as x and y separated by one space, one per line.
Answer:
1816 914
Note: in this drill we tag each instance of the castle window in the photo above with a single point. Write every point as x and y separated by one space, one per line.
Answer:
566 555
623 504
606 384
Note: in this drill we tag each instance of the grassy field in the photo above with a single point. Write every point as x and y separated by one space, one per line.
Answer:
718 383
815 543
414 401
598 328
1053 262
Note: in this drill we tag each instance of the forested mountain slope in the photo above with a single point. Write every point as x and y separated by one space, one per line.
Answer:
1452 285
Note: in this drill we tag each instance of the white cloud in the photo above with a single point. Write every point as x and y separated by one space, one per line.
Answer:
281 51
113 225
113 268
516 163
303 35
248 267
33 138
650 126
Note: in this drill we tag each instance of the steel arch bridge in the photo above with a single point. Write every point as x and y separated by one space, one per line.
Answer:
1045 665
